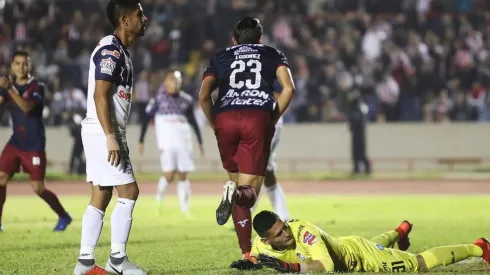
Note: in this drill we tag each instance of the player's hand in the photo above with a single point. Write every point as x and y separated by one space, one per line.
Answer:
142 149
114 156
278 265
5 82
246 264
201 149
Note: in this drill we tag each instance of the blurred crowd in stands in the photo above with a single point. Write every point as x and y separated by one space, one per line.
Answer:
412 60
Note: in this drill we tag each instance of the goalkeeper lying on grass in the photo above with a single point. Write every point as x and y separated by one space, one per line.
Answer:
298 246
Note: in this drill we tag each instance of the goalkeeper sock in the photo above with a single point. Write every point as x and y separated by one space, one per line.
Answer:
387 239
446 255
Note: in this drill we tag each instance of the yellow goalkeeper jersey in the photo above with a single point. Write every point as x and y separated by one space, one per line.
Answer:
343 254
312 244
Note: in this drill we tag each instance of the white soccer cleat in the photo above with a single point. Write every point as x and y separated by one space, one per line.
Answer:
125 268
225 208
81 269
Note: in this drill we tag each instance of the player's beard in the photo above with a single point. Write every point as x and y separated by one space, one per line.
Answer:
142 30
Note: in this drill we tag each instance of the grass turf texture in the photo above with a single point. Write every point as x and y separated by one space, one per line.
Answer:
170 244
221 176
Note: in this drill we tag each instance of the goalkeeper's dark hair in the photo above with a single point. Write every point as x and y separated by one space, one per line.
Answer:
264 221
117 8
248 31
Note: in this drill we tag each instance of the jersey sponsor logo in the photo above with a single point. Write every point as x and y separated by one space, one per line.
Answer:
114 53
301 257
245 49
125 96
309 238
244 102
245 98
107 66
245 45
300 228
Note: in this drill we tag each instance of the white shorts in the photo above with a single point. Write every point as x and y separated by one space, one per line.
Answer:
99 170
177 158
271 165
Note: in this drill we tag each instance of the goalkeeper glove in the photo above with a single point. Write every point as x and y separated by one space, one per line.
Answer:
249 263
278 265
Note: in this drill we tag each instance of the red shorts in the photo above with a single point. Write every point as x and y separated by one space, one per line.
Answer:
32 163
244 140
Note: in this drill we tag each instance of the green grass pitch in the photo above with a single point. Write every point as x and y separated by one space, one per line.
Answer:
169 244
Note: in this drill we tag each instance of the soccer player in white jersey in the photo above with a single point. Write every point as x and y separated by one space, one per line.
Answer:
110 84
274 190
173 111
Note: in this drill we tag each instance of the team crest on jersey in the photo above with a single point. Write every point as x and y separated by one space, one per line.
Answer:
301 257
107 66
114 53
309 238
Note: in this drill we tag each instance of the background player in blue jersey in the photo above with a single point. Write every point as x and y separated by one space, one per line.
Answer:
24 97
173 113
243 118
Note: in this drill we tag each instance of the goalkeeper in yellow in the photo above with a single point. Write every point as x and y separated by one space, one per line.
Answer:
298 246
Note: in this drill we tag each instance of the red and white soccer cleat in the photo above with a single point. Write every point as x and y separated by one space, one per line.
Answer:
404 230
81 269
485 246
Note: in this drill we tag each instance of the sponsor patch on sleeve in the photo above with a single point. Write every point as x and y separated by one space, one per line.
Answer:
107 66
114 53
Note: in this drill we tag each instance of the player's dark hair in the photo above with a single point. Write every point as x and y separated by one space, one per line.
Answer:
264 221
20 53
248 31
117 8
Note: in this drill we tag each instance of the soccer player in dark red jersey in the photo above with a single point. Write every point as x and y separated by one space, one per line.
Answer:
244 117
24 96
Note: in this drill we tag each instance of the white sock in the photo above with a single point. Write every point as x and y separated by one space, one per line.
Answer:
92 222
184 193
162 186
121 220
278 201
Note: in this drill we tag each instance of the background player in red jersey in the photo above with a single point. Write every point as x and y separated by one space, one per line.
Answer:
243 118
26 148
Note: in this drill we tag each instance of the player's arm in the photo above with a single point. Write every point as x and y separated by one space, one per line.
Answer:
106 71
191 118
316 248
283 75
208 85
251 263
26 105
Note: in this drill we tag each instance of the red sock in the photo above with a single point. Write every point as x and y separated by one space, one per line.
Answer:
242 219
52 200
246 196
3 196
